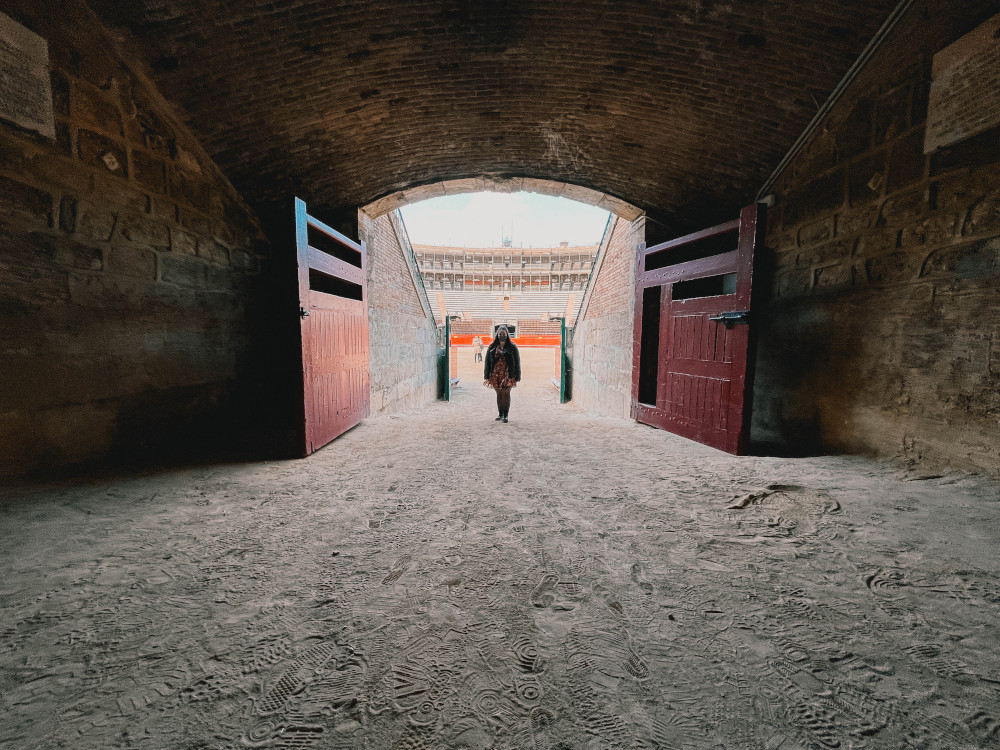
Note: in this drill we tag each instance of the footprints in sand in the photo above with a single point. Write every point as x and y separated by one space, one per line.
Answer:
541 719
291 682
638 576
672 729
886 583
267 651
549 660
656 624
555 593
297 736
784 510
635 666
526 656
608 651
933 657
410 685
283 735
936 731
986 727
597 719
399 566
817 723
496 709
284 715
543 595
529 688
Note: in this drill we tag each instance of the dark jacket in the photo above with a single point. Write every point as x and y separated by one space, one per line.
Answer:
513 360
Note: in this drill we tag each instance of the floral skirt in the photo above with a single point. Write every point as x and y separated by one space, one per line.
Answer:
498 378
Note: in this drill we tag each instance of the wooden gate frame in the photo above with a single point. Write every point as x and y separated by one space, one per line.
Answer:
310 258
750 228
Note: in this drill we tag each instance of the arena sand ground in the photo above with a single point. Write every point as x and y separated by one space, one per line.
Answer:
440 580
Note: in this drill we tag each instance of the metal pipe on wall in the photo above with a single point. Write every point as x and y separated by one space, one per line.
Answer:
880 36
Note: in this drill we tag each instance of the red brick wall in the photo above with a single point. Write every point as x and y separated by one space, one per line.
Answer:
614 287
539 328
123 306
602 342
476 327
883 330
401 332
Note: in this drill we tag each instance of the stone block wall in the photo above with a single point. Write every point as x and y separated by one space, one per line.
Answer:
882 334
402 334
127 262
602 342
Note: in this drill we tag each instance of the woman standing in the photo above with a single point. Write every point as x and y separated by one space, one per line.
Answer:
502 370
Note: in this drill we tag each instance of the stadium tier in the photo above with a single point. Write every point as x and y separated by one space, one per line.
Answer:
534 306
523 288
516 270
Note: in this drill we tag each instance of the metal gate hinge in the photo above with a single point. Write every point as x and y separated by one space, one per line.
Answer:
730 319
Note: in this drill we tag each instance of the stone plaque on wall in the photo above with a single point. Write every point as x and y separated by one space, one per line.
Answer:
965 88
25 86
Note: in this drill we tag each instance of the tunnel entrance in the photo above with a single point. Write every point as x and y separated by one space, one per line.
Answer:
692 345
514 259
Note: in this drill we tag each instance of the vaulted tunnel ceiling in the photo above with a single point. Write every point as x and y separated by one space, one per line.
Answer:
681 107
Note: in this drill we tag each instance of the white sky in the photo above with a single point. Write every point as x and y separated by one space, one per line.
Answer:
484 219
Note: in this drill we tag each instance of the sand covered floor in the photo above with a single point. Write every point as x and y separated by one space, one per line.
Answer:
440 580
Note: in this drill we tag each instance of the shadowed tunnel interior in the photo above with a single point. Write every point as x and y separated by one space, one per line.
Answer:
151 207
155 203
680 108
432 578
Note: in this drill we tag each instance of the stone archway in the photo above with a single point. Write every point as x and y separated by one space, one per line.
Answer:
491 183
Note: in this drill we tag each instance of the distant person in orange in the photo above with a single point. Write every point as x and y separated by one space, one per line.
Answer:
477 344
502 370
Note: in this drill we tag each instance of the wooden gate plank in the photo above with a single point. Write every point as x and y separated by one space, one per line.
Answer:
334 335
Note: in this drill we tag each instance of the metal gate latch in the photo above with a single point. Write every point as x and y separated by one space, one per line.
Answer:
730 319
303 313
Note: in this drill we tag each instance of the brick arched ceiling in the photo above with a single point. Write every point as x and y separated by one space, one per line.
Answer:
577 193
680 107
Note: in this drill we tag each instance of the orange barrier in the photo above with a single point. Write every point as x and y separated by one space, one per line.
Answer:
462 339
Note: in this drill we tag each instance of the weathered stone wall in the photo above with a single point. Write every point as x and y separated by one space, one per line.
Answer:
401 330
602 342
882 335
126 262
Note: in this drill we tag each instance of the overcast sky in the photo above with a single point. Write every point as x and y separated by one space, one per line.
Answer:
485 219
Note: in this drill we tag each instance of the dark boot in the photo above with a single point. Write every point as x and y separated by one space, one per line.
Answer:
504 416
498 417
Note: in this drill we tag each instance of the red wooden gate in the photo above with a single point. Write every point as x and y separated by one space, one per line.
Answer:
333 305
692 350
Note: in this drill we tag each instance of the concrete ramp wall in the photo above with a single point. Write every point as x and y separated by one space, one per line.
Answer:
401 328
602 346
